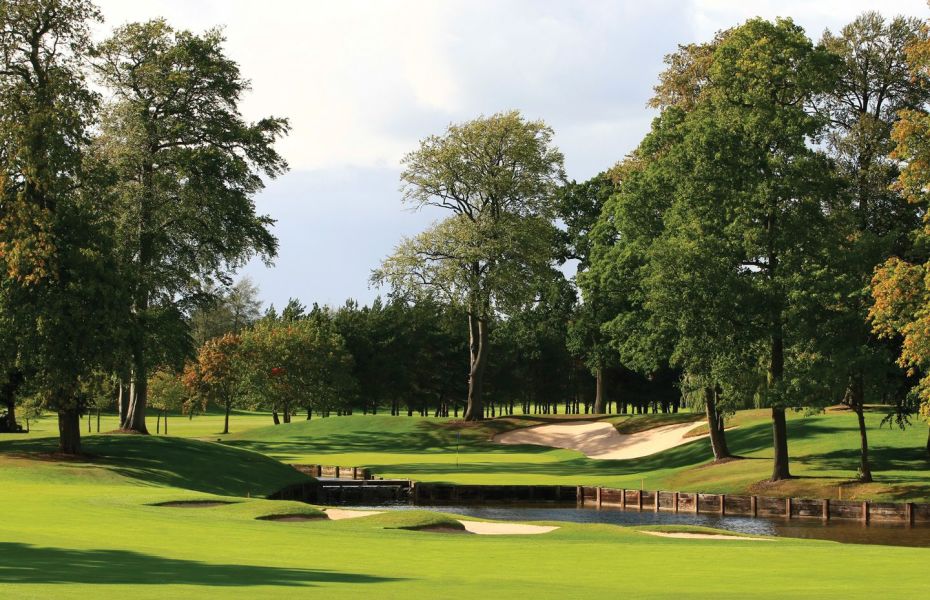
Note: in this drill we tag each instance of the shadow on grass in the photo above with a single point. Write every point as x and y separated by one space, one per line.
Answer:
24 563
174 462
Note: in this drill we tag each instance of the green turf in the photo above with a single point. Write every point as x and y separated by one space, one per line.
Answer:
200 425
88 529
824 454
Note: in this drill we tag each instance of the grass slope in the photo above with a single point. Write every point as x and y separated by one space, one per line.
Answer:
155 462
89 530
824 454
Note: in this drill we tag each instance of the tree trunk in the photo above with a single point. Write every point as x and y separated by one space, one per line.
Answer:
780 438
865 469
158 424
139 392
780 468
69 431
122 404
478 350
226 417
599 391
856 401
274 417
166 421
98 419
14 381
718 439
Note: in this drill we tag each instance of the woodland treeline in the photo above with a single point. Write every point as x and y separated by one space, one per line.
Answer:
765 245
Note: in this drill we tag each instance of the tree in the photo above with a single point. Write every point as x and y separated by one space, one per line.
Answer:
747 224
579 206
167 392
187 168
215 374
286 364
497 176
225 310
59 290
900 287
873 87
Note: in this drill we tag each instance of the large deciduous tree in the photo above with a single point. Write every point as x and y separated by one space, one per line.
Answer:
749 213
873 86
187 167
901 286
57 276
496 176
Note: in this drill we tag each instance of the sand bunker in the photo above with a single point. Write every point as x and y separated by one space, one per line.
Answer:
338 514
504 528
291 518
704 536
192 504
601 440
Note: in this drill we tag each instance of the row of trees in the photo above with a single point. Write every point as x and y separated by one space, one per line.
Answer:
737 245
398 356
120 208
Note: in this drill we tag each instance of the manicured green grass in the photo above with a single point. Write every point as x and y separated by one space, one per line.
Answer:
88 529
198 426
824 454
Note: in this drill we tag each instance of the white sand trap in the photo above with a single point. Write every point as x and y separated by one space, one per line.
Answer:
338 514
503 528
704 536
601 440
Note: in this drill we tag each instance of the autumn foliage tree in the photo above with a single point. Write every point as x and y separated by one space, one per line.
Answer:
303 363
901 286
213 377
57 277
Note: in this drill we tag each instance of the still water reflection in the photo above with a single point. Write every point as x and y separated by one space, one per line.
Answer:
850 532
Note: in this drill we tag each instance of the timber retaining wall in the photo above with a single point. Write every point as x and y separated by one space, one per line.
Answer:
752 506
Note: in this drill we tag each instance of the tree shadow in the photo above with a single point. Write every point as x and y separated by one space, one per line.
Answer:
24 563
173 462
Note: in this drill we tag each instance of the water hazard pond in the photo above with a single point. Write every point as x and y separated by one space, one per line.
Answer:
850 532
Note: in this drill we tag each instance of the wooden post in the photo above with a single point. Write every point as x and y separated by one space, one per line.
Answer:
697 502
657 501
579 495
597 495
787 508
337 472
623 498
676 502
754 506
909 513
826 509
640 495
865 511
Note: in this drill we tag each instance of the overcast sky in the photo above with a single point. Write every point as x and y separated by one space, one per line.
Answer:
363 80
